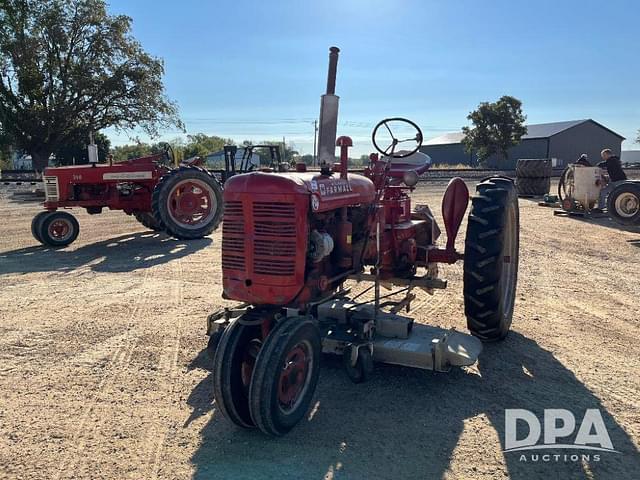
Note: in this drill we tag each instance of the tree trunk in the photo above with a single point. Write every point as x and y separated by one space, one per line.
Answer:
39 159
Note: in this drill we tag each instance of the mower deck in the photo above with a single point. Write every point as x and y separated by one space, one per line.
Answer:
395 339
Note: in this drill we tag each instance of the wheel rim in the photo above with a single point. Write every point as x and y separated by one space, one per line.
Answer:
60 229
249 362
627 205
295 376
509 266
192 203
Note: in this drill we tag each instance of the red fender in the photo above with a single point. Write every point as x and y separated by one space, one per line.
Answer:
454 206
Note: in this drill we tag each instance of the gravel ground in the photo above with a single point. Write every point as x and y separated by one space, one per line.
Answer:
103 373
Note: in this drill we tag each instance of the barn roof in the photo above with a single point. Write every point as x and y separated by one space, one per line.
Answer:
537 130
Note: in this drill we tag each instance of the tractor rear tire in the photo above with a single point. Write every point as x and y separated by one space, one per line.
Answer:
285 375
188 202
533 186
59 229
147 219
36 225
623 203
491 259
533 168
233 365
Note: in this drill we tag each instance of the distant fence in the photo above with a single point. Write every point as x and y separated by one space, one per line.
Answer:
19 176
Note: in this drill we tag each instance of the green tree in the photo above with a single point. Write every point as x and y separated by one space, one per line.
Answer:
363 161
200 145
5 150
638 137
122 153
76 150
67 67
287 153
307 159
496 127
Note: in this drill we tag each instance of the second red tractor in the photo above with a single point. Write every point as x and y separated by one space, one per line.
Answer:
186 202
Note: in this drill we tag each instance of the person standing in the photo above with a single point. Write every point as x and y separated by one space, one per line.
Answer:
611 163
583 160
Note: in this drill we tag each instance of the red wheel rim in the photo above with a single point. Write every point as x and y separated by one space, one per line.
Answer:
249 361
294 377
60 229
192 203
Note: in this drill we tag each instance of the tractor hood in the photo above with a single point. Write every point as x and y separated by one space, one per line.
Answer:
327 191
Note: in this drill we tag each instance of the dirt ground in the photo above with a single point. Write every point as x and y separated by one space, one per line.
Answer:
103 372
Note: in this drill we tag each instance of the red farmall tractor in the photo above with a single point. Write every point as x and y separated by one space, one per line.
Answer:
292 240
186 202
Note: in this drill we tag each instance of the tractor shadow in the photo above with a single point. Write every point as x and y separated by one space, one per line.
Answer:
125 253
409 424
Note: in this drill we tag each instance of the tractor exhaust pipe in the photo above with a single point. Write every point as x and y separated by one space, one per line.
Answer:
333 68
329 114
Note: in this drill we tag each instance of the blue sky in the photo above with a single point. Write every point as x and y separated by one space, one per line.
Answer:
256 69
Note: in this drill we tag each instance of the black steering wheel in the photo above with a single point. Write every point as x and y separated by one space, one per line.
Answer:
387 137
168 153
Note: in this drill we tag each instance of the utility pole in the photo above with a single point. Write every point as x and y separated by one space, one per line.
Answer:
315 140
284 150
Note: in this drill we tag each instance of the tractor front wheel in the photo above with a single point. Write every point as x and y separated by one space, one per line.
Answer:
491 259
36 225
285 375
233 365
58 229
188 202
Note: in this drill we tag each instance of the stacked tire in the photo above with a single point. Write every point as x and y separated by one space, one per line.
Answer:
533 176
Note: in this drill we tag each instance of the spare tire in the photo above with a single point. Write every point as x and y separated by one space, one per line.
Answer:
188 202
534 168
490 270
533 186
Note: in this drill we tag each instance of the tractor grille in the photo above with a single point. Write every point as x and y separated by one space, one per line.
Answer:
275 238
51 192
233 237
264 244
274 209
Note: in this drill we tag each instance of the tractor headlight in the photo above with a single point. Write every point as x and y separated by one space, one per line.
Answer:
410 178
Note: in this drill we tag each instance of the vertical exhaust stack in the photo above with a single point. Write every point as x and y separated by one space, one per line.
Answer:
329 114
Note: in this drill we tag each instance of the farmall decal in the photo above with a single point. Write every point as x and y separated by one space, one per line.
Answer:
334 188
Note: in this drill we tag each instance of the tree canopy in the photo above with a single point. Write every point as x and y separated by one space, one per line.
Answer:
200 145
122 153
67 67
287 153
496 127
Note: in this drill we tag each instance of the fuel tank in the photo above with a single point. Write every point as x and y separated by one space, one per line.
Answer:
328 192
